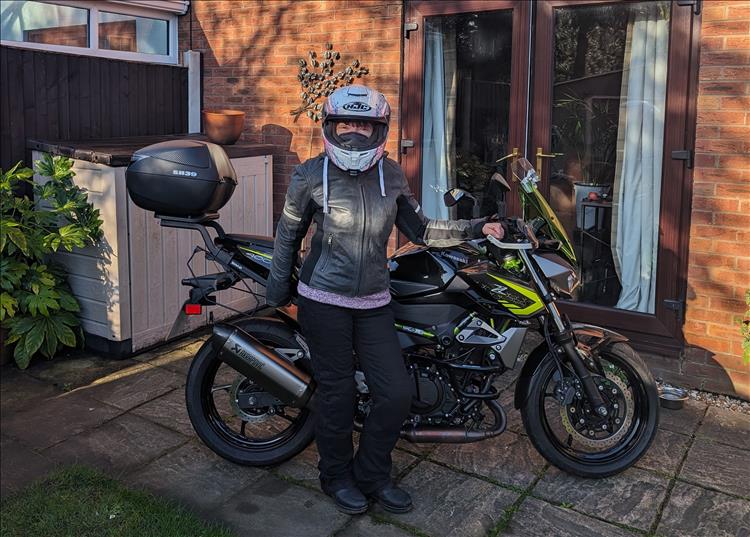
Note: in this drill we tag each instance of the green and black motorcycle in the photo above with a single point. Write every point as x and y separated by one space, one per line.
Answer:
588 402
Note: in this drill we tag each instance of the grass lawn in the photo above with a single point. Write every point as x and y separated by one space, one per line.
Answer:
79 502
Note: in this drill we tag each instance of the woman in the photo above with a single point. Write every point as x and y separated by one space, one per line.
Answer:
355 195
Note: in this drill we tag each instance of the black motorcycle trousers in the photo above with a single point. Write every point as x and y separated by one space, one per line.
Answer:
332 333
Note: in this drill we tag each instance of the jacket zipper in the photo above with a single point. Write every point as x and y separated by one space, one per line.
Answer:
328 251
362 240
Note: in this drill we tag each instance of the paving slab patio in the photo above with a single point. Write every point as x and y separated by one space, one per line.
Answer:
367 527
632 497
52 420
666 452
132 386
118 446
451 504
536 518
128 418
20 465
273 507
718 466
696 512
169 411
726 427
194 475
509 459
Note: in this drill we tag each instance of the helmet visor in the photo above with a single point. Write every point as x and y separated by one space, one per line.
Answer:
354 140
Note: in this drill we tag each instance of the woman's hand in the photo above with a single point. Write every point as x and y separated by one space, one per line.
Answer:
495 229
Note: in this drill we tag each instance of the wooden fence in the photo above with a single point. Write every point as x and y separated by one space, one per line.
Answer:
54 96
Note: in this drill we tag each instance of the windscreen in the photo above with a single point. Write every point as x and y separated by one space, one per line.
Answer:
536 207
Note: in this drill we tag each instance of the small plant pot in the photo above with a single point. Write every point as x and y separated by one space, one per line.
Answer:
585 219
223 126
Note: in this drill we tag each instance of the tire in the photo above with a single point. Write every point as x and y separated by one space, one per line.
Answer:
214 429
635 440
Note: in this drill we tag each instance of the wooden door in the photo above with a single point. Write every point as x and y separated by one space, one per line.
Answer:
610 110
487 44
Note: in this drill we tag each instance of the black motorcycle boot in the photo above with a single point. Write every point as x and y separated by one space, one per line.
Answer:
393 499
348 499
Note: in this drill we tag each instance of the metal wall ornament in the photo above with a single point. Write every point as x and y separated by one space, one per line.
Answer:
318 80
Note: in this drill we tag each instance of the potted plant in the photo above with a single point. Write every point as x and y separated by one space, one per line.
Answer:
587 128
37 308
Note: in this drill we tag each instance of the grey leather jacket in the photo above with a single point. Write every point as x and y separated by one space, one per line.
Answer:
348 250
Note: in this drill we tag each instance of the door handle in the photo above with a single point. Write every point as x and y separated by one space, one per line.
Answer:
540 154
514 155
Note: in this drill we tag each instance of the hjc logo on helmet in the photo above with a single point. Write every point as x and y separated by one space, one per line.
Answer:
357 106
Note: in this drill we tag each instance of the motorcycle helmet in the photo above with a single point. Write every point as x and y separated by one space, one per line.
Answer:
355 152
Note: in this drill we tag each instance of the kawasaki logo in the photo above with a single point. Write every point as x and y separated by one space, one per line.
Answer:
357 106
186 173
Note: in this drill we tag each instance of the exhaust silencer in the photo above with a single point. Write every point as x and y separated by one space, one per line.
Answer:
262 365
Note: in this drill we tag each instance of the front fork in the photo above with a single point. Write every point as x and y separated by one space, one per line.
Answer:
566 341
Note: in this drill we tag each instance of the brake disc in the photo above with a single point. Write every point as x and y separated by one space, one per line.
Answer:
243 384
613 437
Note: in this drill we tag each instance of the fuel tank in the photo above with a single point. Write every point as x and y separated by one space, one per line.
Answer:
418 270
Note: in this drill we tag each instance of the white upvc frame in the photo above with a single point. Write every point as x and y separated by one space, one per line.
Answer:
93 23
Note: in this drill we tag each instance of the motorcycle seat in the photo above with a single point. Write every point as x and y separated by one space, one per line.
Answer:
242 239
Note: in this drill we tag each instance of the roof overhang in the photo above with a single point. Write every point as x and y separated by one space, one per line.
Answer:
178 7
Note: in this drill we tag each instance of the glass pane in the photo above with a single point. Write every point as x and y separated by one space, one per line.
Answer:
133 34
37 22
610 73
466 103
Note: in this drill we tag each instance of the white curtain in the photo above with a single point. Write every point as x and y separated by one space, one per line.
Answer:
438 151
637 187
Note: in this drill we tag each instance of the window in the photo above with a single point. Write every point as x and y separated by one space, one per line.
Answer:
36 22
134 34
126 32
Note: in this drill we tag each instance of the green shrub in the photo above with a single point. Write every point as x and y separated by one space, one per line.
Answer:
36 304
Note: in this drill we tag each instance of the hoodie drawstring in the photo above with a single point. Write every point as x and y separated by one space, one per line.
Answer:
325 186
380 173
326 210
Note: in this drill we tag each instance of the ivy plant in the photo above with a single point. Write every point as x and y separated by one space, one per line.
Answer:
37 307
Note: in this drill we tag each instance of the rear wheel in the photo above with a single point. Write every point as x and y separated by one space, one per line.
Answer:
572 436
236 418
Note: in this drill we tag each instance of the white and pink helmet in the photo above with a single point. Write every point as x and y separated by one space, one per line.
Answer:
356 103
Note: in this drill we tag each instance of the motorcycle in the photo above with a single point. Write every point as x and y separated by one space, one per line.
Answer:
587 400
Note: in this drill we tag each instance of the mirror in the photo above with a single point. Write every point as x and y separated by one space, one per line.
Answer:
451 197
497 176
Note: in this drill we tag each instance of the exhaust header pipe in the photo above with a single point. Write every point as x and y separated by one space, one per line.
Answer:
263 365
456 435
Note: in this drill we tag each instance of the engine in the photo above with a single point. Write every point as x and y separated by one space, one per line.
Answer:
435 402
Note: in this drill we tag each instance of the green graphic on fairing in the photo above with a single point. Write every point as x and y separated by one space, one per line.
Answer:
412 330
255 255
518 299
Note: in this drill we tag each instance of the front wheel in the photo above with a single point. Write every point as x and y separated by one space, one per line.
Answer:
572 436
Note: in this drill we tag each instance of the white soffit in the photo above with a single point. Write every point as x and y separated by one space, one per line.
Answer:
178 7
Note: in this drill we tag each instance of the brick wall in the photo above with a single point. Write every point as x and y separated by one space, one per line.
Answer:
250 51
719 260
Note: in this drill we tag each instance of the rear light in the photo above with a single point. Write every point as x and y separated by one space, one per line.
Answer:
193 309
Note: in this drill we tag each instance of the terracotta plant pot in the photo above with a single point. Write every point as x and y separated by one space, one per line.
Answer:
223 126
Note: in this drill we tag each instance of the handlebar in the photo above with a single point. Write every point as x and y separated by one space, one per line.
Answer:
510 245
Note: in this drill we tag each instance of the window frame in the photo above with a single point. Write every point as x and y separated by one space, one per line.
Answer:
93 49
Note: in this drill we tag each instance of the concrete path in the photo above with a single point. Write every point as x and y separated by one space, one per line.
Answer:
128 418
